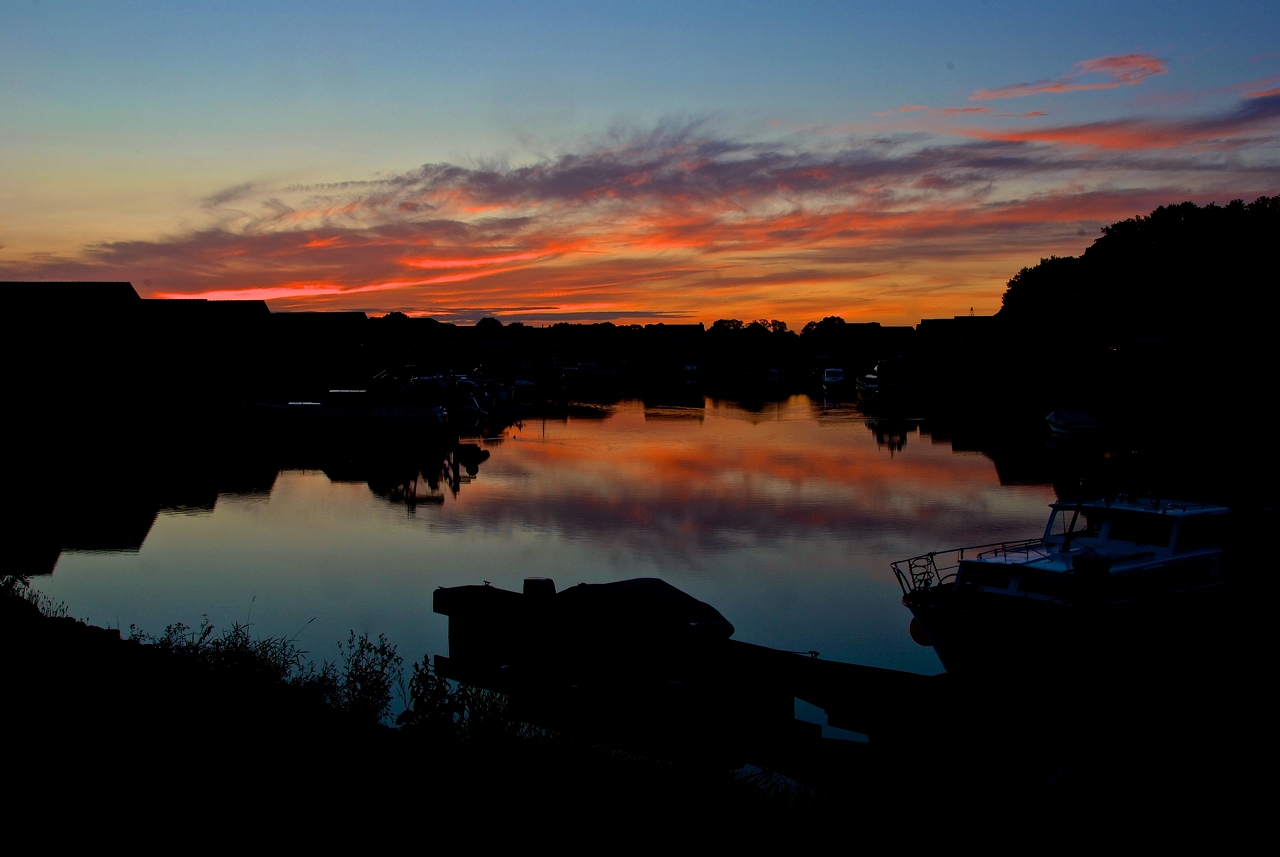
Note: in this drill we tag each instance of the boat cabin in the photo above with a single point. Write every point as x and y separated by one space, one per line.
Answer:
1116 528
1119 536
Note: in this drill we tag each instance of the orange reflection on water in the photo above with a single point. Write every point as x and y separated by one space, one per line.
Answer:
670 481
784 519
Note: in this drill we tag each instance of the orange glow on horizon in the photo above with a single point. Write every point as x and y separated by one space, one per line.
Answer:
309 290
692 225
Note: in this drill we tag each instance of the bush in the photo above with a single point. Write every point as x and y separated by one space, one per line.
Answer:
369 672
360 684
463 713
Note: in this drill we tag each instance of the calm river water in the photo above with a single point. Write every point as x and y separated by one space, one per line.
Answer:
785 520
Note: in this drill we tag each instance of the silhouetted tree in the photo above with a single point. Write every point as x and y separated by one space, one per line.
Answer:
723 324
820 327
1182 271
1181 301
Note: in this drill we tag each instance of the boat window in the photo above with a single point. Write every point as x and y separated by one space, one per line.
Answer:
1198 534
1086 524
1154 530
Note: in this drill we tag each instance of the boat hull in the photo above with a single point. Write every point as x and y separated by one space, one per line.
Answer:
984 634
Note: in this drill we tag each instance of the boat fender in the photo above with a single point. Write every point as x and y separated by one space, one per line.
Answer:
918 633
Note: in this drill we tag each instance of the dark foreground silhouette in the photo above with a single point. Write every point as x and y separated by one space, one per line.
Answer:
221 732
200 731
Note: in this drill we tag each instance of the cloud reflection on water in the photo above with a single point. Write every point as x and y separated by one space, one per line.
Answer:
784 519
678 492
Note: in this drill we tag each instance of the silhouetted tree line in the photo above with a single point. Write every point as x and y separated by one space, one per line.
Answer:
1175 302
1177 306
1184 271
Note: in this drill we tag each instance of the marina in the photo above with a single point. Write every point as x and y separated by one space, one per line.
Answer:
785 518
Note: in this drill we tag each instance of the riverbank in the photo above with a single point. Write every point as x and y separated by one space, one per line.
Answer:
140 731
200 731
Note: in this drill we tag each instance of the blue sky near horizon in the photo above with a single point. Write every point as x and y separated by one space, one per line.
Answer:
120 124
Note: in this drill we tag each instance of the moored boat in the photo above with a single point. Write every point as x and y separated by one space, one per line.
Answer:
1108 581
1069 423
833 380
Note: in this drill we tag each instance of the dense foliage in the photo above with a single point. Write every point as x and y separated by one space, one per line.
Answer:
1183 270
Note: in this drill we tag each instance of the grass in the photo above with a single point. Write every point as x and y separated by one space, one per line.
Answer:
219 725
215 701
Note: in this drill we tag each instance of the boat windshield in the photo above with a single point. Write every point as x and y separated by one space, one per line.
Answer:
1200 534
1141 529
1075 522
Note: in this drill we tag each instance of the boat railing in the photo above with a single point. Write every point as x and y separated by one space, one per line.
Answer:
940 567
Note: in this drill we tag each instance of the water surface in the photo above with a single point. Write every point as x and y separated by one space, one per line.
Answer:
784 519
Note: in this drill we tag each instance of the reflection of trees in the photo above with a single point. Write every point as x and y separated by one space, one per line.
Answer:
130 484
427 480
890 433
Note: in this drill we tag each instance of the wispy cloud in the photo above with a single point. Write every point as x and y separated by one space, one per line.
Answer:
935 111
1257 117
682 220
1118 70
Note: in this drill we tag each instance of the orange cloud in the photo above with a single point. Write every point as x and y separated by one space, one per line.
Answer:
470 263
310 290
686 223
1120 70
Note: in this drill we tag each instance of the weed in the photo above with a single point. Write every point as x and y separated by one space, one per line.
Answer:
360 684
430 704
461 712
19 586
369 672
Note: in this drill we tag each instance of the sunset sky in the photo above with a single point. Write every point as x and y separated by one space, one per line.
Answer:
624 162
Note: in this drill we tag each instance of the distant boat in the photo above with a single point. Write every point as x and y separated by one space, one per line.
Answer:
362 408
1125 574
1065 423
833 379
890 378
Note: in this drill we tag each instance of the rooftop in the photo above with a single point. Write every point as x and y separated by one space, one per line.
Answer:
1144 504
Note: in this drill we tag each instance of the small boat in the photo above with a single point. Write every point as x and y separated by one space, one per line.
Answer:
891 377
1066 423
640 657
1107 581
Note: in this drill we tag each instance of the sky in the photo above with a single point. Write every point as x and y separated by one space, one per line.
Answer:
631 162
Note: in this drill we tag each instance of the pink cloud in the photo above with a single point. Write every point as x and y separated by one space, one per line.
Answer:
1257 118
906 108
700 224
313 290
958 111
470 263
1120 70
